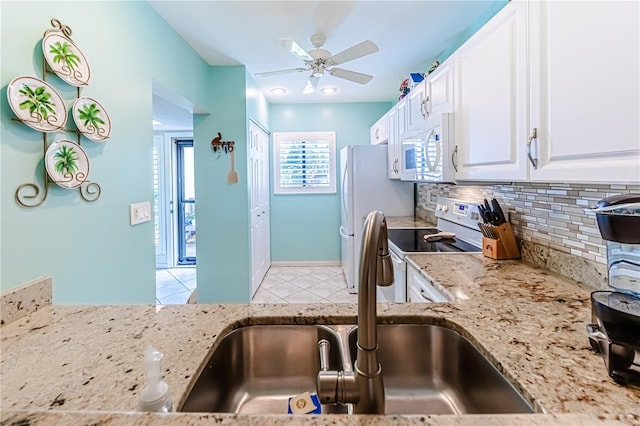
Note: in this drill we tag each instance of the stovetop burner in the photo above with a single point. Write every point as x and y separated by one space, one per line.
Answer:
412 240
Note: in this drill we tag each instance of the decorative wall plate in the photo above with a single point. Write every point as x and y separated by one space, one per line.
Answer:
92 119
65 59
67 163
37 104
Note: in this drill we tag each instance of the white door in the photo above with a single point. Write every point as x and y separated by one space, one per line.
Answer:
259 205
490 74
585 107
161 207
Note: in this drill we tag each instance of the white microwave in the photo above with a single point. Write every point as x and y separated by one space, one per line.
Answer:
427 152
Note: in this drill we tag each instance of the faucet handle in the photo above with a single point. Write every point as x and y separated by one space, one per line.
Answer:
323 347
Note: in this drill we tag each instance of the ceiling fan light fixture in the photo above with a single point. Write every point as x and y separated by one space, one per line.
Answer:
318 71
328 90
278 91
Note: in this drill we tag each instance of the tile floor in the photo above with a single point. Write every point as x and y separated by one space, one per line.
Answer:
300 284
282 284
173 286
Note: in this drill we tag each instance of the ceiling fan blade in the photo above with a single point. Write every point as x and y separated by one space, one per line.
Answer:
294 48
311 85
365 48
351 75
291 70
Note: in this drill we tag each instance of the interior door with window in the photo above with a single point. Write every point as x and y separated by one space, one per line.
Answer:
186 202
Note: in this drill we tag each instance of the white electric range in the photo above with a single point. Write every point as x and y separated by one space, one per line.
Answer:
457 216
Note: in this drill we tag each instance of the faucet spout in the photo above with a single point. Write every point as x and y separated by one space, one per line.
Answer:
376 268
363 387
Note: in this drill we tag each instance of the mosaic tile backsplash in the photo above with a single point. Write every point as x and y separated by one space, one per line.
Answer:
544 216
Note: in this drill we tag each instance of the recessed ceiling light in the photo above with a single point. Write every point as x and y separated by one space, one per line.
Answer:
328 90
278 91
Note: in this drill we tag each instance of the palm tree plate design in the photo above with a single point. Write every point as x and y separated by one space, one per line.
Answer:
91 119
67 163
37 104
65 59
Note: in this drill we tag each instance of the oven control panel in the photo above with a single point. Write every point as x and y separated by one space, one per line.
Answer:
456 210
460 217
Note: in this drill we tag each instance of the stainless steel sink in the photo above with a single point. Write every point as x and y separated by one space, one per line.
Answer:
429 369
256 369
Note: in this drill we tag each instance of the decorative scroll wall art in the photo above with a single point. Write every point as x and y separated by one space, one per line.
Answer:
37 104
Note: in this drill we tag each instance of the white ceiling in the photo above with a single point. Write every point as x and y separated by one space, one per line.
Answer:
409 34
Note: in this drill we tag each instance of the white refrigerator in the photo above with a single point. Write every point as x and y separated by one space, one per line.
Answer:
366 187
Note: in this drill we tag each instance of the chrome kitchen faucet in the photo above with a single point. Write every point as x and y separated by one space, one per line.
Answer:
362 387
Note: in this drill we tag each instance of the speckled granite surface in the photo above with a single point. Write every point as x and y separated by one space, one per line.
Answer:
25 299
63 360
408 222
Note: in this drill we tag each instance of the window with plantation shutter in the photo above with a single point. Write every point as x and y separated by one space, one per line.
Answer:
304 162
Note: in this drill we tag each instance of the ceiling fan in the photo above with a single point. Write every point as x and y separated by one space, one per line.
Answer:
319 60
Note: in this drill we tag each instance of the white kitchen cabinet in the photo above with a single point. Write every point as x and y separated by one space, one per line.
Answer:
534 101
585 91
420 289
417 105
490 86
432 95
393 148
379 131
440 89
397 125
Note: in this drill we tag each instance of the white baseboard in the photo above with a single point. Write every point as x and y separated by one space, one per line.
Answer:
308 263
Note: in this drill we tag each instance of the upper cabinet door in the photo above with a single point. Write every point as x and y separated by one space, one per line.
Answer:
433 95
393 149
416 106
379 131
440 90
490 86
585 91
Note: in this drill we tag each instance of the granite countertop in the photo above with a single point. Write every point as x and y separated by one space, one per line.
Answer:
408 222
83 364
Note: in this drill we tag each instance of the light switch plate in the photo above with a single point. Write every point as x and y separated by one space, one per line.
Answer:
140 212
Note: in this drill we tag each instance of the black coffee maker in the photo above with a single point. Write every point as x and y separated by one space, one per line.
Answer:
615 314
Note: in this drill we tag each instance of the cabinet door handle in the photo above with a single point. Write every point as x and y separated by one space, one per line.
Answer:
425 296
376 133
454 157
425 107
534 135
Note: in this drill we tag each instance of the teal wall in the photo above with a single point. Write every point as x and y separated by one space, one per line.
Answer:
305 227
224 257
482 19
90 250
